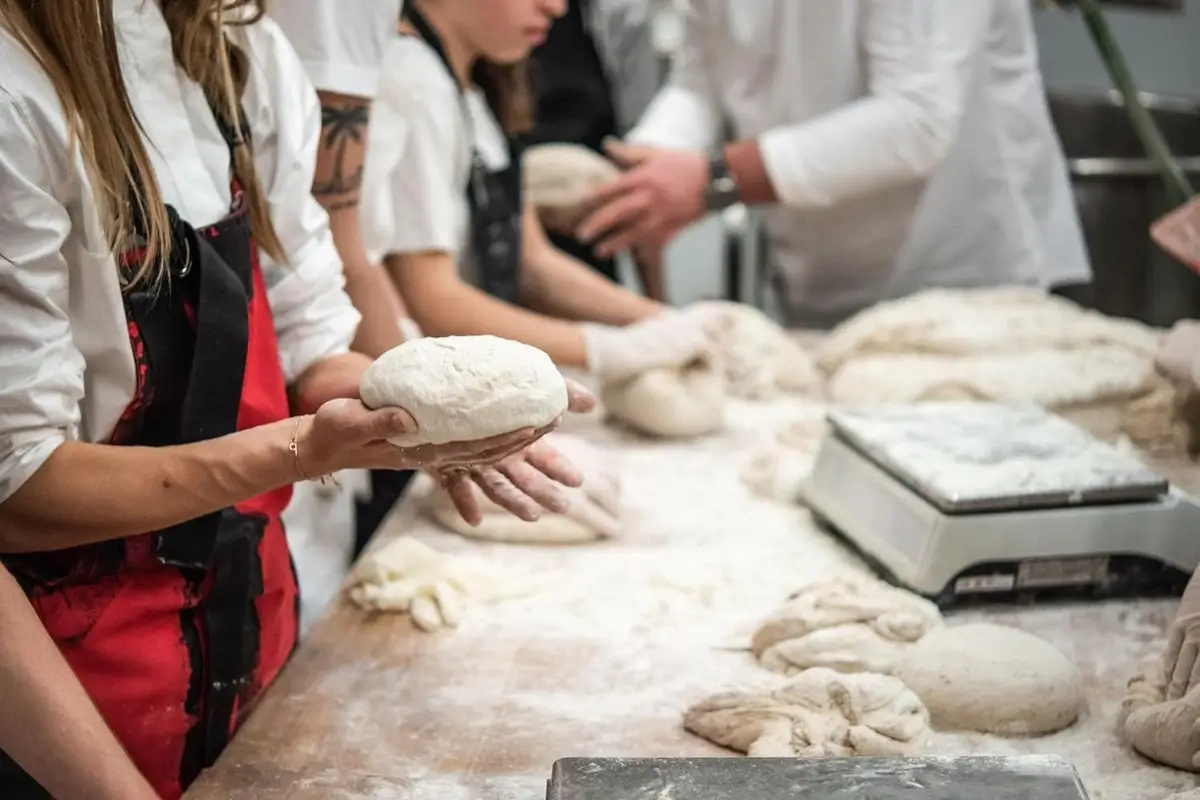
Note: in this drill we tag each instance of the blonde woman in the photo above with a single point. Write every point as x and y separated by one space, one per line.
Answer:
175 355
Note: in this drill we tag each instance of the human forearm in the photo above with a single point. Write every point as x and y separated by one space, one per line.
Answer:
337 186
445 306
329 379
48 725
746 164
556 284
86 493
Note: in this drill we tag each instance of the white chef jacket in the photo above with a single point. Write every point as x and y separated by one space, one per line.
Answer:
66 367
909 142
418 166
340 42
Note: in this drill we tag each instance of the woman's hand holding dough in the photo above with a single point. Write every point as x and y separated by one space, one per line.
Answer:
524 482
345 434
1181 666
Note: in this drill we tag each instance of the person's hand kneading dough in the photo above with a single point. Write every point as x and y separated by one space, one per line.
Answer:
670 339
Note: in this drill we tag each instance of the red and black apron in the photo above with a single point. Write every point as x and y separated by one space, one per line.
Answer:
174 634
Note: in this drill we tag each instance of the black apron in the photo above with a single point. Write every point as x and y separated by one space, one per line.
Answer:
574 105
494 198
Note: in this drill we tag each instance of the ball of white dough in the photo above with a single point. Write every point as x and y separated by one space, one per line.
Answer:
561 176
671 403
465 388
992 679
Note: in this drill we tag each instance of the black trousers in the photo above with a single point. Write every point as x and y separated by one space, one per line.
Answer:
386 487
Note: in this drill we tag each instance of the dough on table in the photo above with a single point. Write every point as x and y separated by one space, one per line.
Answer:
1008 344
886 611
819 713
559 178
1166 731
992 679
594 512
465 388
760 359
671 403
780 471
434 588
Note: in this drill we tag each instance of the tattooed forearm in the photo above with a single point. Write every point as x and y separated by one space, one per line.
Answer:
340 156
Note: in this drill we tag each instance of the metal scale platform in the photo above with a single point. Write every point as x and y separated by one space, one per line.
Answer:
977 502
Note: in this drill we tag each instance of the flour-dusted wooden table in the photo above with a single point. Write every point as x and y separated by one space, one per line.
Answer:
622 637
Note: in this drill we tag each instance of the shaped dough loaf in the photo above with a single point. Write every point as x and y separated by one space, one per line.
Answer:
594 512
466 388
558 178
760 359
670 403
434 588
817 714
1011 344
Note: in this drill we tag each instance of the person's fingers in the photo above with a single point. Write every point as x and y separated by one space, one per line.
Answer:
579 399
388 422
481 450
1181 674
534 483
626 154
623 210
597 518
554 465
646 226
501 491
458 487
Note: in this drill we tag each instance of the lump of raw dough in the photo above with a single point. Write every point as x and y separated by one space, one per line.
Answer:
780 472
408 576
594 512
818 713
1163 730
671 403
464 388
558 178
992 679
760 359
1007 344
890 613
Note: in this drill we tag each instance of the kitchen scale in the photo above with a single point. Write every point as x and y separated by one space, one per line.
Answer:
981 502
982 777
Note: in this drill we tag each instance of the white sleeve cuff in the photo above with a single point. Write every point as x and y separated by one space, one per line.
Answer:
346 79
23 460
677 119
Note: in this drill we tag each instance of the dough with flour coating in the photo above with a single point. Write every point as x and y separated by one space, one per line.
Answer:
890 613
780 471
465 388
670 403
1007 344
992 679
594 513
559 178
761 361
819 713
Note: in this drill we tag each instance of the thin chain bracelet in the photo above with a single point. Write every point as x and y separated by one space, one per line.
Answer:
294 447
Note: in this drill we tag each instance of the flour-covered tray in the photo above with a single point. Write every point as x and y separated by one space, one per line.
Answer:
965 457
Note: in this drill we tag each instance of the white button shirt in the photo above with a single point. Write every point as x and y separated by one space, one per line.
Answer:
340 42
909 142
66 368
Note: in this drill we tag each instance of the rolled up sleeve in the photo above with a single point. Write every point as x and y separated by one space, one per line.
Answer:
340 42
684 114
41 371
314 318
918 63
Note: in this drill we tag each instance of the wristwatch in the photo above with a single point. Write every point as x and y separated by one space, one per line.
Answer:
722 191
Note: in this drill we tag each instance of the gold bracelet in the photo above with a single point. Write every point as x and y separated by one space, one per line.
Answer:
294 447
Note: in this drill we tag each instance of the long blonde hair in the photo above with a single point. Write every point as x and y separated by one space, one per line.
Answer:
75 42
